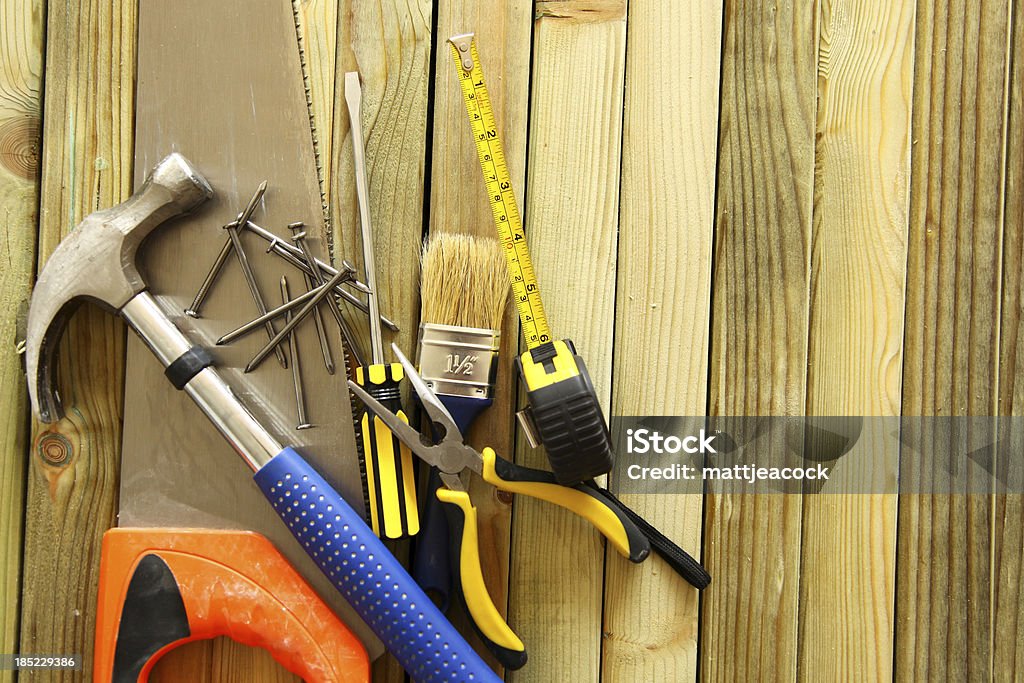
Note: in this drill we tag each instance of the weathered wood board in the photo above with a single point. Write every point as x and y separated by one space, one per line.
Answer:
21 70
762 279
74 463
669 147
950 367
855 344
570 218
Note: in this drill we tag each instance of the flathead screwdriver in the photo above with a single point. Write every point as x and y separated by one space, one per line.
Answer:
390 479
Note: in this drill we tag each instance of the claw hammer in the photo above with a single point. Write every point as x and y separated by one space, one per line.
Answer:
97 262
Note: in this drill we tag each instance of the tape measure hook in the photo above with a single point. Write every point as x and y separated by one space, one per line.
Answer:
463 44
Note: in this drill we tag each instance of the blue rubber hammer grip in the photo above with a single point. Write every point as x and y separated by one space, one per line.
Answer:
379 589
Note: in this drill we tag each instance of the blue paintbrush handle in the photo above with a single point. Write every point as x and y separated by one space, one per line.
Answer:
379 589
432 562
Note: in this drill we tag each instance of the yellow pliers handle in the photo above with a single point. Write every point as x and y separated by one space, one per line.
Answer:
587 502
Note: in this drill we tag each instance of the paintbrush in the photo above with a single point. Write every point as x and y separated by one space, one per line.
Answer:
463 291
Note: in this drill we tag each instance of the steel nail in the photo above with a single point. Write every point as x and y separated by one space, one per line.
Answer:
270 315
243 261
296 319
293 351
298 236
292 254
204 289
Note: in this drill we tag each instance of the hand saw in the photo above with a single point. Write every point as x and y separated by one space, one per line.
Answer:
234 102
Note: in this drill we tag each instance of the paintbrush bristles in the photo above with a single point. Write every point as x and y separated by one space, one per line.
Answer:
464 281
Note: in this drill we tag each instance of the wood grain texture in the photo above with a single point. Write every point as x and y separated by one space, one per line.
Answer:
761 283
21 70
571 214
317 24
952 329
72 485
191 662
1008 518
459 204
389 43
858 272
664 282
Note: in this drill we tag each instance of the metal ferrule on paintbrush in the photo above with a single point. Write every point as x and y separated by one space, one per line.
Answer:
458 361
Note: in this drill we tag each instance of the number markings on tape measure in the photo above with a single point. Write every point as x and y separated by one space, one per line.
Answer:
499 191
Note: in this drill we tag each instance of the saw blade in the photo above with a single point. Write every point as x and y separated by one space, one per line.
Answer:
222 83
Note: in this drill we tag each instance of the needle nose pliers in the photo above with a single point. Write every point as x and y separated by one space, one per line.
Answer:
450 454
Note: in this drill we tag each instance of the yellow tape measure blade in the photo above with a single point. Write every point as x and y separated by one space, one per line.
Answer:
500 195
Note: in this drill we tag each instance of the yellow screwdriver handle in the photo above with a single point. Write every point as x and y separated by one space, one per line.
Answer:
390 478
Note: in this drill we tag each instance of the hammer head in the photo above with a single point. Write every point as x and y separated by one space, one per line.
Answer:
97 262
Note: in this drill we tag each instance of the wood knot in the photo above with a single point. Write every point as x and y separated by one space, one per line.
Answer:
19 145
54 449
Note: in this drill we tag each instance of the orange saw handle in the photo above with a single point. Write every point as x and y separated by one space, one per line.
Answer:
161 588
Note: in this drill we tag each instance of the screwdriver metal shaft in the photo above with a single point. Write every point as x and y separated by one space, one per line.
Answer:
390 476
354 98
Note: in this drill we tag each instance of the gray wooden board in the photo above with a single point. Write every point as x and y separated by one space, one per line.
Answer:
221 83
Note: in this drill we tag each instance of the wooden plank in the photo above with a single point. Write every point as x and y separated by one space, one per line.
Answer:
762 279
72 486
389 44
571 213
664 283
952 332
458 204
317 24
1008 527
21 57
858 266
190 662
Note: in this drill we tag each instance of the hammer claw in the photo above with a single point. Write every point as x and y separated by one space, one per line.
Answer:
97 262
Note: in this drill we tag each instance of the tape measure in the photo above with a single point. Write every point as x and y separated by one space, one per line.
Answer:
564 414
